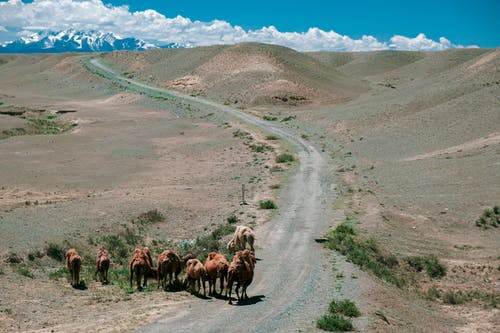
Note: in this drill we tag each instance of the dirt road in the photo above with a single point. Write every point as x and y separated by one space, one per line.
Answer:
293 279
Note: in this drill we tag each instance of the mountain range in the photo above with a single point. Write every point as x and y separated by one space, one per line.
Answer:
76 41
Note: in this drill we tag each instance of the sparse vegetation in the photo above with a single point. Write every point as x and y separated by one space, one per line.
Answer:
261 148
334 323
435 269
454 297
271 137
267 204
270 118
13 258
37 126
364 252
232 219
151 216
25 271
55 251
202 245
284 158
489 218
288 118
344 307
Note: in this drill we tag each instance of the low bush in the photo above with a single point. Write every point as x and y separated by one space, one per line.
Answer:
232 219
435 269
334 323
25 271
151 216
284 158
267 204
454 297
489 218
55 251
261 148
345 307
364 253
13 258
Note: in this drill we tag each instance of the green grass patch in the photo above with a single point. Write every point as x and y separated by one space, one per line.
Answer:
344 307
58 274
55 251
284 158
489 218
288 118
267 204
435 269
270 118
334 323
151 216
25 271
203 245
261 148
365 253
232 219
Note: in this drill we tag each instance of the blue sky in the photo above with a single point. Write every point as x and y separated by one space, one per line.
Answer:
303 25
465 22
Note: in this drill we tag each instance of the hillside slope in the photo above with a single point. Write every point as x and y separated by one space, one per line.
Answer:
245 74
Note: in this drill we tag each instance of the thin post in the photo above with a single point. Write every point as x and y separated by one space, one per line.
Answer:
243 202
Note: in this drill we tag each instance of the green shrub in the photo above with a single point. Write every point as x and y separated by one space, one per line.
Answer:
13 258
55 251
452 297
232 219
151 216
270 118
334 323
435 269
58 274
489 218
432 293
271 137
284 158
25 271
364 253
116 246
345 307
288 118
261 148
267 204
417 263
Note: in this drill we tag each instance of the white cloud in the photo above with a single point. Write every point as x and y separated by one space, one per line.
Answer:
153 26
420 43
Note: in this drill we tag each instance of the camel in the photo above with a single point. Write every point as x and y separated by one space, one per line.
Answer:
242 236
216 266
139 265
195 276
74 264
241 271
169 265
102 265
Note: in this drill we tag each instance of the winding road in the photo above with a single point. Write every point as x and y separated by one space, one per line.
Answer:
293 281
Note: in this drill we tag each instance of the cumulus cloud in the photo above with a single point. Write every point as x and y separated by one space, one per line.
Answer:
55 15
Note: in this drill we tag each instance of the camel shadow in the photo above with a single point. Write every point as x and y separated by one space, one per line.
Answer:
221 296
176 286
81 286
251 300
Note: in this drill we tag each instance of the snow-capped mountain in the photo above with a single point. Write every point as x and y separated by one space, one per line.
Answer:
76 41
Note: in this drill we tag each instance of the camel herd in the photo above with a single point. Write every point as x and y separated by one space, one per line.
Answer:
239 272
